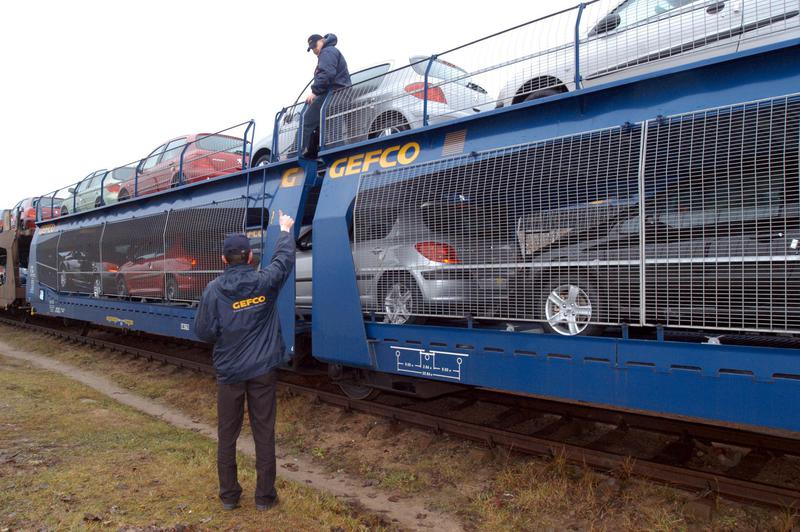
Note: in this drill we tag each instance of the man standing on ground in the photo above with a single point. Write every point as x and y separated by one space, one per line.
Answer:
331 74
237 313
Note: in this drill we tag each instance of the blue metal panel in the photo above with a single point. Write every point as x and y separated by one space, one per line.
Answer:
725 383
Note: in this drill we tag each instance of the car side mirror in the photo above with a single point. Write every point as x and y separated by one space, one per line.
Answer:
606 24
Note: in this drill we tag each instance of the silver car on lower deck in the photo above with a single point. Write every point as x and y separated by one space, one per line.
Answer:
407 270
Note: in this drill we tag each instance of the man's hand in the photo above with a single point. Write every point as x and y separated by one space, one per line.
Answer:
285 221
311 98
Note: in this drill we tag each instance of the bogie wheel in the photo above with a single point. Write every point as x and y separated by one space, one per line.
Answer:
400 299
543 93
358 392
569 309
171 290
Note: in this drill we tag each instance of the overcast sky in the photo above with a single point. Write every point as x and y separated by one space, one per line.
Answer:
97 84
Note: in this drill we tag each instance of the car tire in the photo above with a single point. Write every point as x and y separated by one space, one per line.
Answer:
400 298
62 278
97 289
392 125
543 93
122 287
63 211
98 202
171 289
263 160
123 195
568 310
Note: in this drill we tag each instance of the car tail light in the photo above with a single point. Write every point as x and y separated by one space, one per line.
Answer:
113 188
30 213
193 262
435 94
437 252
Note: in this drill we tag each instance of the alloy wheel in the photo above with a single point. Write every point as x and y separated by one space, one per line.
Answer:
399 304
568 310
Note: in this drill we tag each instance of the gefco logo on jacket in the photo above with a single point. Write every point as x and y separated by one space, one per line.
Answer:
385 158
249 302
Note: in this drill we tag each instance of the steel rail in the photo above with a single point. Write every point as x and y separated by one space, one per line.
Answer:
691 479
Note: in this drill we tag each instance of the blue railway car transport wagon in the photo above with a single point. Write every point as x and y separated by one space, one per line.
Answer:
627 236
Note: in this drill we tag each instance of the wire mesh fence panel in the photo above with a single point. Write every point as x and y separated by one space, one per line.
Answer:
290 125
193 246
210 156
764 19
133 251
722 218
531 61
534 232
383 99
47 258
79 264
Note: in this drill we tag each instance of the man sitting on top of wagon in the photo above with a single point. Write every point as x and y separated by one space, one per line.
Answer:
331 74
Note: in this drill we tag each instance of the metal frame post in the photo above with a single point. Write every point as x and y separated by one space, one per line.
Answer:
75 196
299 134
273 156
136 179
245 156
581 7
431 59
642 227
164 251
103 188
180 164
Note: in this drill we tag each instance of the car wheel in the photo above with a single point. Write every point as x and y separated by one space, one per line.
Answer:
122 287
62 279
544 93
64 211
358 392
123 195
176 181
384 127
568 311
171 290
401 299
98 202
98 287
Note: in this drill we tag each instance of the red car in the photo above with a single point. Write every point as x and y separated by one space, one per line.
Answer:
172 276
23 215
207 156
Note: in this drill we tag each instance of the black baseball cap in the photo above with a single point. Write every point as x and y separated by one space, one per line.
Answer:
235 243
312 41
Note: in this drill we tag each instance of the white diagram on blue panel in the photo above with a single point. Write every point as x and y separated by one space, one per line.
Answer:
433 363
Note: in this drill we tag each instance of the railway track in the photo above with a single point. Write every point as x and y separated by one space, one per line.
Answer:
583 435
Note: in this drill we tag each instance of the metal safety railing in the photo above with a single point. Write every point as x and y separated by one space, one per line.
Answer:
587 44
169 256
687 221
181 161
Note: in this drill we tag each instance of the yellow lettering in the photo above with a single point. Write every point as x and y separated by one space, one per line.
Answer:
290 176
236 305
354 164
385 162
403 157
369 158
337 168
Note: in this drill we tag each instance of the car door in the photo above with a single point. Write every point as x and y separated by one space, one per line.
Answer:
83 192
170 163
639 33
149 171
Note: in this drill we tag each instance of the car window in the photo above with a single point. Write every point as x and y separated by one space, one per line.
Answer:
636 11
174 149
219 143
439 69
369 73
153 158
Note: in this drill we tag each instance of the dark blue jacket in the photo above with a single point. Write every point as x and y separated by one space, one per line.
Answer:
331 72
237 313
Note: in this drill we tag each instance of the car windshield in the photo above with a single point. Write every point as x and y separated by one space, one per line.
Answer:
218 143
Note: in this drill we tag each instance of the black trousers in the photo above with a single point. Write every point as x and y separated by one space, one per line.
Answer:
310 123
260 393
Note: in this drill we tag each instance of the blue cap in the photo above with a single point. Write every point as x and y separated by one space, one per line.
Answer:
234 243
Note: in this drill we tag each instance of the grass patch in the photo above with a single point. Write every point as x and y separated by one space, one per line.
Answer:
71 458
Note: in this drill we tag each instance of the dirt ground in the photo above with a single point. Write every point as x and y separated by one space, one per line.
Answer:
484 489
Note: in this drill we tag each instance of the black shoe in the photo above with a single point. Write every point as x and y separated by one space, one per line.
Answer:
230 505
268 506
